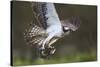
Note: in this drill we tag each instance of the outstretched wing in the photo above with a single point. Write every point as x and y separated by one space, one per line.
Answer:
39 10
44 16
34 35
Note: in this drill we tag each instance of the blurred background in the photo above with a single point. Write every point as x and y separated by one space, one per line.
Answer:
79 46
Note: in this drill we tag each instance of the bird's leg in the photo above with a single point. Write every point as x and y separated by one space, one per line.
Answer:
46 41
51 42
44 48
51 47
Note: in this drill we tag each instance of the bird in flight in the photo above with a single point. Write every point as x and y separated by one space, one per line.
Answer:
46 27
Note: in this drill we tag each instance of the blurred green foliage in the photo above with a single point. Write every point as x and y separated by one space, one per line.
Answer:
80 57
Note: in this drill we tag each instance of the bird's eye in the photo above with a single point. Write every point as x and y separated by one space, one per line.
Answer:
66 28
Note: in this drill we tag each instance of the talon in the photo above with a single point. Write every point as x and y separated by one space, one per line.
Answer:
52 51
47 51
43 52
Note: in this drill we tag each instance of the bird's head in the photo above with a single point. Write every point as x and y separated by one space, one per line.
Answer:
71 24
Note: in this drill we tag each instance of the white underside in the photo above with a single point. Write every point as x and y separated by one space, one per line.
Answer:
54 25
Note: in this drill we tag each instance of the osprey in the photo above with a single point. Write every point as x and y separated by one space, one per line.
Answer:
47 28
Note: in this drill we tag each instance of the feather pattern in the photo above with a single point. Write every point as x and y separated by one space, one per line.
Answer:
34 35
40 10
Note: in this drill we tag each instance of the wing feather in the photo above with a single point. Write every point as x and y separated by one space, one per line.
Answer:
39 12
34 35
